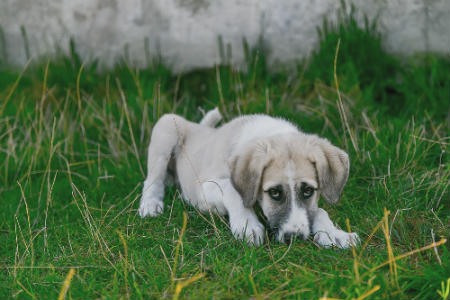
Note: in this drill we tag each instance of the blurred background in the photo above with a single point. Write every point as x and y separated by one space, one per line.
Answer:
189 34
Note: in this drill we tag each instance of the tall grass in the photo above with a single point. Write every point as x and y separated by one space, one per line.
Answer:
72 158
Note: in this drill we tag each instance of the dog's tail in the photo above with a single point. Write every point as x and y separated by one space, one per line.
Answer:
211 118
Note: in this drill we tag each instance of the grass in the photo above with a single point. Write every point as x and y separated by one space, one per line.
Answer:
73 143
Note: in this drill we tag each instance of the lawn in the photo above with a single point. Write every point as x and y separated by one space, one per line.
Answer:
73 144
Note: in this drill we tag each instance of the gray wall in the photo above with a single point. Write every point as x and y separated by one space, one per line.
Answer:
185 32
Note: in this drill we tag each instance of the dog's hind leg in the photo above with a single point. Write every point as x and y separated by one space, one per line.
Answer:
211 118
167 135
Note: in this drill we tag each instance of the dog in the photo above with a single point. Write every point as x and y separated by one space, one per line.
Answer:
253 160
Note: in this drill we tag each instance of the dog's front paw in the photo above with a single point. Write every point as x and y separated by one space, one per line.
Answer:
336 238
252 231
151 208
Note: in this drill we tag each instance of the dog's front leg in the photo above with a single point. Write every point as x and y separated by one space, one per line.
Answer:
326 234
244 223
245 226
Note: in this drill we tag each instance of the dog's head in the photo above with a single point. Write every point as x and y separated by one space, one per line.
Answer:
286 174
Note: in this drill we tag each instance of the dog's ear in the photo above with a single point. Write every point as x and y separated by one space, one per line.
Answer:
247 169
332 165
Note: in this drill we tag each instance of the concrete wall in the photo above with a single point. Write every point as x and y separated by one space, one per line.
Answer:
185 32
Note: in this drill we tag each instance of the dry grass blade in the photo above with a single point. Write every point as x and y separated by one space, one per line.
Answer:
126 268
404 255
368 293
130 128
13 88
177 249
340 104
182 284
355 257
66 284
30 244
26 290
91 224
391 260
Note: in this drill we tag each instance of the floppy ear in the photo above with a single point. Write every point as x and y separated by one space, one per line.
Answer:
247 169
332 165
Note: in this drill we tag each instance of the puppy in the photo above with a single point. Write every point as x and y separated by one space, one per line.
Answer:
252 160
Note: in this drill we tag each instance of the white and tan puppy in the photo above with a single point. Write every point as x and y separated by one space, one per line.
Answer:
252 160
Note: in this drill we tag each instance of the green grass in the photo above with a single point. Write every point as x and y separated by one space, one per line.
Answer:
72 159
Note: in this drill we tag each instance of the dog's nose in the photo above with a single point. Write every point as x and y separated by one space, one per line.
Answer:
288 237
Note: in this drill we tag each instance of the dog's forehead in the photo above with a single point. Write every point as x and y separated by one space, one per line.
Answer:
290 171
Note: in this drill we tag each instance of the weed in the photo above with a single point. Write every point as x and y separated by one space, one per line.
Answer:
444 292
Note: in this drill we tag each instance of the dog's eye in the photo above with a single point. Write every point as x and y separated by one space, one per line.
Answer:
276 193
307 191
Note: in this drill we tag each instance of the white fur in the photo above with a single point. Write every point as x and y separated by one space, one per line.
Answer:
258 126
